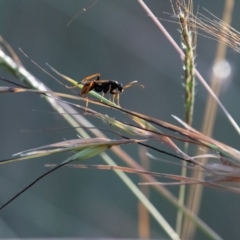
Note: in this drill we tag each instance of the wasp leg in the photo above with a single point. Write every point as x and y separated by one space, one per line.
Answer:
96 76
110 91
118 99
102 96
86 79
113 98
87 88
115 94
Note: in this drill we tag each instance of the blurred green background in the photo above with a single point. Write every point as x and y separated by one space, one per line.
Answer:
117 39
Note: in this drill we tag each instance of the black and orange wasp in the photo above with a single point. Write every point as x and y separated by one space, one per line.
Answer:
93 82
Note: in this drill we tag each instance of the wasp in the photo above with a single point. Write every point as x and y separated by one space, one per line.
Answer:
113 87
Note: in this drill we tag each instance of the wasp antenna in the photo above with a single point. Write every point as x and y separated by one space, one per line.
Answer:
133 83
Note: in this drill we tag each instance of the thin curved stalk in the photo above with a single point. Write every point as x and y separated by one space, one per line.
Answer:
198 75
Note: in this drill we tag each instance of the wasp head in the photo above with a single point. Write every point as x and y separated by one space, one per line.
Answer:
120 87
